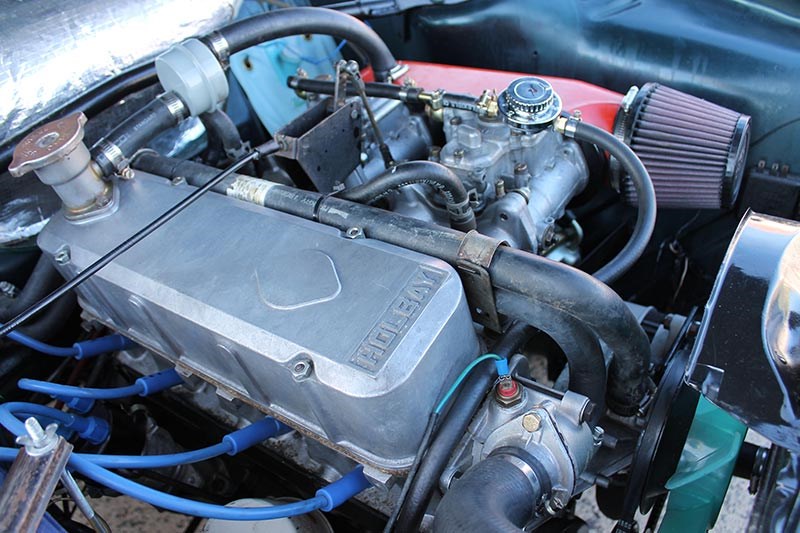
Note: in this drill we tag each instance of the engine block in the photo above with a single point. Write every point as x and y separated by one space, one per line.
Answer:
351 341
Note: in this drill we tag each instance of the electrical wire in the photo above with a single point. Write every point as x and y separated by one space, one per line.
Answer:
461 377
79 350
91 428
430 429
231 444
326 498
266 149
427 437
144 386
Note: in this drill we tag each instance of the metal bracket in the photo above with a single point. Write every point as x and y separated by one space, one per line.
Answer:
340 85
352 70
32 478
474 257
326 145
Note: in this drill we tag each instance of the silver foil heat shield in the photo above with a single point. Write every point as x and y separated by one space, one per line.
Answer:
52 51
351 341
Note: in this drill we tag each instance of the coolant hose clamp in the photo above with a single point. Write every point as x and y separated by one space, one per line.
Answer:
474 257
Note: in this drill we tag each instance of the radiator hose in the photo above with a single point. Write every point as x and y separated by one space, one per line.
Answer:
310 20
494 495
452 429
112 152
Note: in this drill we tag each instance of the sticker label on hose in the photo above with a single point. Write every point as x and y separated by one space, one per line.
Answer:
375 349
249 189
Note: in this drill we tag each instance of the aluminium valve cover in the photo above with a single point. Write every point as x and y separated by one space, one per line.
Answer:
351 341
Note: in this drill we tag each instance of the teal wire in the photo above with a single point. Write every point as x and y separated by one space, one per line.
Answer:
461 377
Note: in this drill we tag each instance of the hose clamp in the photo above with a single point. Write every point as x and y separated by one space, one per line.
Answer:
535 471
474 258
522 466
622 123
175 105
219 45
459 210
397 72
112 153
566 126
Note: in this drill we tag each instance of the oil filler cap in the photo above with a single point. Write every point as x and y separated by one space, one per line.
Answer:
529 103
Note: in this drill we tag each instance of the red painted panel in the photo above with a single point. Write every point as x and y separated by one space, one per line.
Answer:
598 106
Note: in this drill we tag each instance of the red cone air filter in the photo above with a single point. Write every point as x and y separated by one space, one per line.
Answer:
694 150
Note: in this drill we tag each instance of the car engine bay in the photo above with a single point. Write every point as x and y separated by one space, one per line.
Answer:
399 265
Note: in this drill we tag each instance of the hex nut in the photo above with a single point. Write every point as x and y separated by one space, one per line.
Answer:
354 233
531 422
302 369
62 256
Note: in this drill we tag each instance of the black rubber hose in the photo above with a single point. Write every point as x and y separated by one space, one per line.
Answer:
587 366
311 20
454 426
90 103
646 199
43 279
137 130
409 95
52 320
542 287
494 495
196 174
434 174
374 90
223 138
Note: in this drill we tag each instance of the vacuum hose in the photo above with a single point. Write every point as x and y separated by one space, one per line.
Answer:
646 195
434 174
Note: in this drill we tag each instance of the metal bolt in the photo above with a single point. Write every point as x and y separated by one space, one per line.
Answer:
597 435
507 391
520 168
38 441
500 188
549 233
531 422
127 173
302 369
458 154
354 114
62 256
560 499
178 180
354 233
455 121
102 200
35 431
